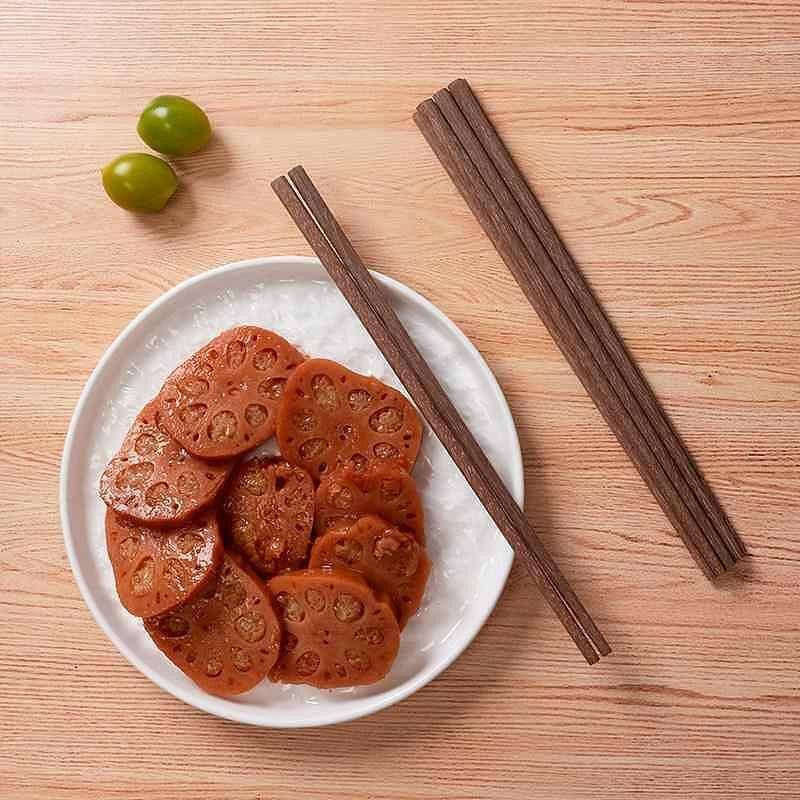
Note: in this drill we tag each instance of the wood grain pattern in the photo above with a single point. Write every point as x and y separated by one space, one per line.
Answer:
663 139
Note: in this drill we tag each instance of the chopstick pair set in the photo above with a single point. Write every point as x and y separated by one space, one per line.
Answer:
475 158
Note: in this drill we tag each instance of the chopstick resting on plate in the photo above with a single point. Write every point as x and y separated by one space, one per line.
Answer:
322 231
475 158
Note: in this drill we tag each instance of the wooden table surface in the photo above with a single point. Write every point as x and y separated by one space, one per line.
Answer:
664 139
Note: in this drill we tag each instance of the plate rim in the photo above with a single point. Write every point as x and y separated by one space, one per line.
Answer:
204 701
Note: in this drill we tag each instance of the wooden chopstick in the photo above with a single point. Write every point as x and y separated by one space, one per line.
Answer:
478 180
492 215
326 237
480 125
604 369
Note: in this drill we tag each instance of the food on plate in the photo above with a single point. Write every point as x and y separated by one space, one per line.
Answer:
174 125
337 630
385 489
391 561
226 640
139 182
155 570
332 417
331 610
223 400
268 513
154 480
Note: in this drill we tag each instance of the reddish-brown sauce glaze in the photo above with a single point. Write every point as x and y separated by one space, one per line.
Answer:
227 640
337 630
268 513
330 417
154 480
223 400
157 570
391 561
384 489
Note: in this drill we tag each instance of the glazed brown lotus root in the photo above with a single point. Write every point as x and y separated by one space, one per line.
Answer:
223 400
154 480
268 513
391 561
384 489
337 630
330 417
157 570
226 640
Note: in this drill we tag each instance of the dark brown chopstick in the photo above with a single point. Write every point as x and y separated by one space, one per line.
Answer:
320 228
544 229
604 375
483 188
498 228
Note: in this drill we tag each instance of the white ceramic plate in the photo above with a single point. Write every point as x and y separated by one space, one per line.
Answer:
294 297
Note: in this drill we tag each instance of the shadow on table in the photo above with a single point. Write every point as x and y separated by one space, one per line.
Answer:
194 171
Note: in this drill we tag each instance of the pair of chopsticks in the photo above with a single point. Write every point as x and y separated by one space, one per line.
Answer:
322 231
477 161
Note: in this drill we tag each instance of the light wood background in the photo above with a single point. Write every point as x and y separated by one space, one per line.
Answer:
664 137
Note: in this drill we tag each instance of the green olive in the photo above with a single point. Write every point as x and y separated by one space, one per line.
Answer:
139 182
174 126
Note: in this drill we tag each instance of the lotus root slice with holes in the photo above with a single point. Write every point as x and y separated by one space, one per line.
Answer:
337 630
154 480
226 640
158 570
391 561
331 417
384 489
223 400
268 513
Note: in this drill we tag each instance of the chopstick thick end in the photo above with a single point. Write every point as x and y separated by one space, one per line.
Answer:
443 95
298 172
423 109
458 84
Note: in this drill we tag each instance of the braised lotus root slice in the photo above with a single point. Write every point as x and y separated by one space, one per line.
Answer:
337 630
331 417
223 400
157 570
268 513
384 489
154 480
226 640
391 561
